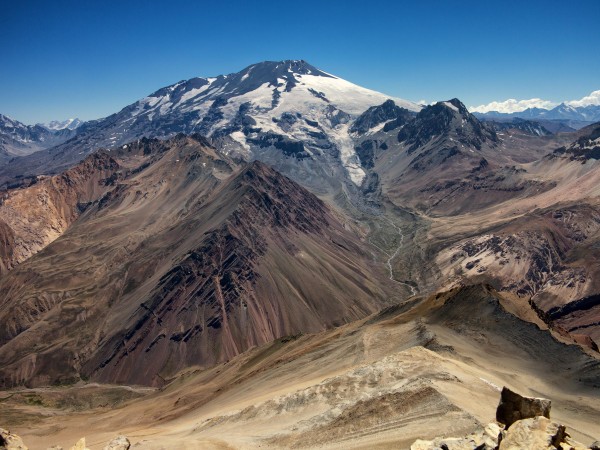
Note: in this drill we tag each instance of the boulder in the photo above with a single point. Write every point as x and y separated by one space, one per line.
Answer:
118 443
515 407
483 439
538 433
80 445
10 441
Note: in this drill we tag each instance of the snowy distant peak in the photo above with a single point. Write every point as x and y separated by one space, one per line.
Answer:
8 122
57 125
17 129
564 111
584 110
20 139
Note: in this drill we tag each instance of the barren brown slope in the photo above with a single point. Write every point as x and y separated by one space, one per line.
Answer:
188 261
429 367
543 248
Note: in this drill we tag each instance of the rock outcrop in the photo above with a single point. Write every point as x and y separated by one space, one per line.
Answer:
528 426
10 441
80 445
118 443
486 438
515 407
537 433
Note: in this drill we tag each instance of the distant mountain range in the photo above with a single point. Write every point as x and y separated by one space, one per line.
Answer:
18 139
575 116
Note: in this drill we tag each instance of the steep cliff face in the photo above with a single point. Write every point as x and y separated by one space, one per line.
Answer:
189 260
32 217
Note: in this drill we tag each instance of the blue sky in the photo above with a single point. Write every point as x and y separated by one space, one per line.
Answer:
89 59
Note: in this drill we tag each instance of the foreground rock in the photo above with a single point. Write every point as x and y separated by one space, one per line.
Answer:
527 426
515 407
9 441
538 433
80 445
118 443
483 439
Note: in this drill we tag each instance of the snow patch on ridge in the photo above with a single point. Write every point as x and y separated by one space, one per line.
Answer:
451 106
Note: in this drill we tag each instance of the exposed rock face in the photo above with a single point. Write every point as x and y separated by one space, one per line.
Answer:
118 443
388 112
526 126
441 118
548 255
515 407
10 441
32 217
538 433
535 433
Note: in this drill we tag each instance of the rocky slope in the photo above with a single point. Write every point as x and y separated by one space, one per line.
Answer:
586 147
188 260
542 248
529 426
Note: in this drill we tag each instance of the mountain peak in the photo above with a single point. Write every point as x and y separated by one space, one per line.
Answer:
455 105
388 112
446 118
57 125
295 66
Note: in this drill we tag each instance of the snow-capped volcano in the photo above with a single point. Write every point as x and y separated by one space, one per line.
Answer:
288 107
265 101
